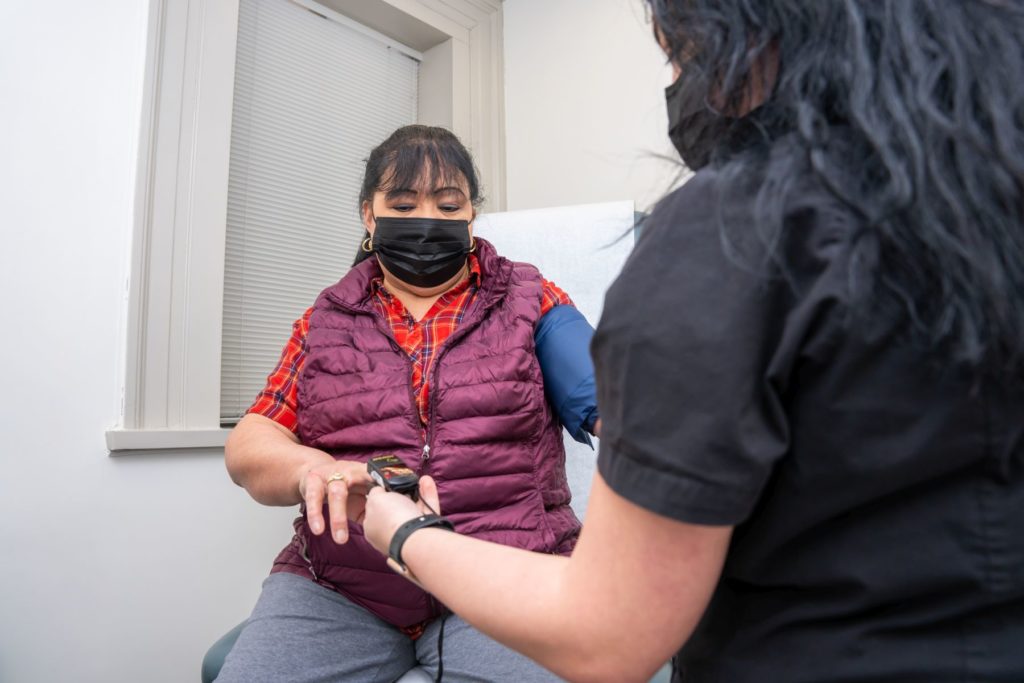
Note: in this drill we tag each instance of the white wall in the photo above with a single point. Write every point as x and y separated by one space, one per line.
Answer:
113 569
585 106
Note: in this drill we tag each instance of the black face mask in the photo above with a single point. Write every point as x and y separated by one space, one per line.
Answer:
694 128
422 252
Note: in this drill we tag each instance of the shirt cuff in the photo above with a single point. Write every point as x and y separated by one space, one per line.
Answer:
670 493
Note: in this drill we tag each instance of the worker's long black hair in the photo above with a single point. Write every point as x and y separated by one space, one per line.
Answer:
912 113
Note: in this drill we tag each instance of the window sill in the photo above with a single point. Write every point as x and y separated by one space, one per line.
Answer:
133 441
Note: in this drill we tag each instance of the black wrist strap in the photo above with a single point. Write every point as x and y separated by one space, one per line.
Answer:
404 531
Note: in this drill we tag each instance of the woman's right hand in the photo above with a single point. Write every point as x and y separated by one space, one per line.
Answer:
344 483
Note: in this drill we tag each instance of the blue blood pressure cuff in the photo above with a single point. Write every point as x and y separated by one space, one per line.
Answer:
562 340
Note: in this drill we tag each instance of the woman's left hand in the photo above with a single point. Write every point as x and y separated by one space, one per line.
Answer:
385 512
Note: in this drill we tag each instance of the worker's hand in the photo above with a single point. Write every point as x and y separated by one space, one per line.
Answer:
385 512
344 483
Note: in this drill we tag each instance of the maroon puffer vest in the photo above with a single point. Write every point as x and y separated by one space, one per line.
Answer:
492 443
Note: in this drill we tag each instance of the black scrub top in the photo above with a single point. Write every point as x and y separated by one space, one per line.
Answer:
878 495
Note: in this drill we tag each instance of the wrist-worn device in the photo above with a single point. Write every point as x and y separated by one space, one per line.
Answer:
392 475
414 524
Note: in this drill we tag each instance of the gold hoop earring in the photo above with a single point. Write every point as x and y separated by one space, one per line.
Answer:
368 244
472 244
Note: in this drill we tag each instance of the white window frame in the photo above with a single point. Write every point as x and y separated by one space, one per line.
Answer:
171 388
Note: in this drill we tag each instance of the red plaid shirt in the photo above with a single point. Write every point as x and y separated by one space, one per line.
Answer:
419 339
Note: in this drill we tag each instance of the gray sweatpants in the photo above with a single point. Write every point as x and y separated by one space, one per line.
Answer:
300 632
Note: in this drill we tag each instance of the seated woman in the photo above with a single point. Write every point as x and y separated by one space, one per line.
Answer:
426 352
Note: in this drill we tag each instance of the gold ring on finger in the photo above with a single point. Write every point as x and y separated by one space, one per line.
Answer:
337 476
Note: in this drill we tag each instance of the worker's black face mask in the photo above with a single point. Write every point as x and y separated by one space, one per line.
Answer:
422 252
694 128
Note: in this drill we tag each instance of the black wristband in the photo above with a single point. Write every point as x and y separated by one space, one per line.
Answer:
404 531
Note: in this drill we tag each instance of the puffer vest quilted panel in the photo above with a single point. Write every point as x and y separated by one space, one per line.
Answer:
495 447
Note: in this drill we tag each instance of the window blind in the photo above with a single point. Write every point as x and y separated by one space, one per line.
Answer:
312 97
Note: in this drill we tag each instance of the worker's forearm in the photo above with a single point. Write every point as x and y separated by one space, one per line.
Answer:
267 462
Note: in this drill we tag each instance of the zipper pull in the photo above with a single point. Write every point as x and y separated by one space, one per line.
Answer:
309 562
426 452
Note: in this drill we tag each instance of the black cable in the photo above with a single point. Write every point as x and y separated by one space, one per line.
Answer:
440 636
440 648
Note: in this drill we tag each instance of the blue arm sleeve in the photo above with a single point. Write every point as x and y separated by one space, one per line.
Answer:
562 340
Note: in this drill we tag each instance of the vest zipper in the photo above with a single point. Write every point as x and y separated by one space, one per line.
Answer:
305 555
435 370
427 433
431 406
414 402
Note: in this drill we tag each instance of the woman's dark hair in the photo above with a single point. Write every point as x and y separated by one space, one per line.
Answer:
910 112
401 160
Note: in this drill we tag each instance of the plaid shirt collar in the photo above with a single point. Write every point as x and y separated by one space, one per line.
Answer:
378 290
